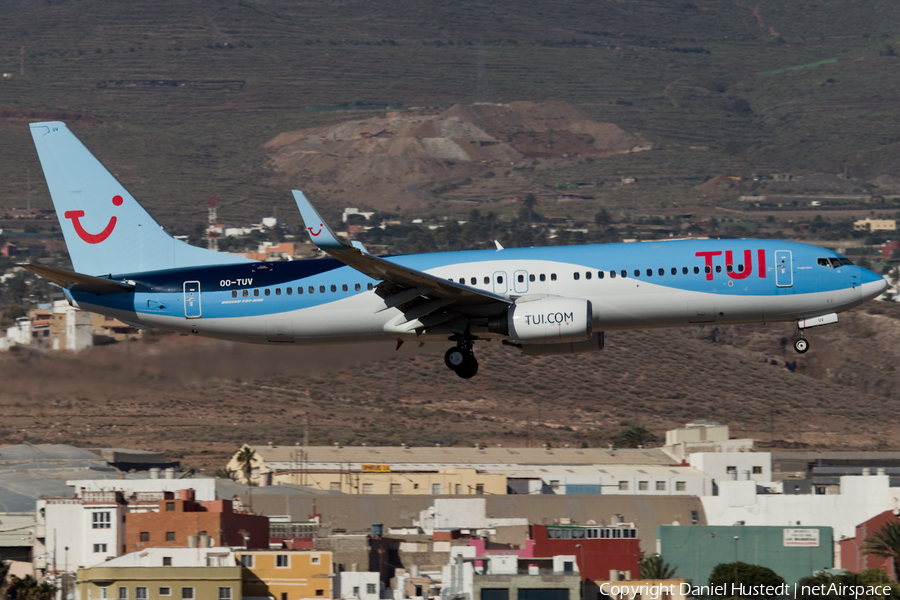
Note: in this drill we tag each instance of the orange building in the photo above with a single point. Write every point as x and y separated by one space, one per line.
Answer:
177 521
286 575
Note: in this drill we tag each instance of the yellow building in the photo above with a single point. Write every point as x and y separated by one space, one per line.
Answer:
285 575
159 583
455 481
875 225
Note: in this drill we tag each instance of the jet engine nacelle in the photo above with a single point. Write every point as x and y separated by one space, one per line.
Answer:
546 321
594 344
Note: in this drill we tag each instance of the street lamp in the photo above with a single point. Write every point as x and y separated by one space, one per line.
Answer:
736 538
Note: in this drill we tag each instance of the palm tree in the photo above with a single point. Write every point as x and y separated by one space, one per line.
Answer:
634 436
245 459
885 543
654 567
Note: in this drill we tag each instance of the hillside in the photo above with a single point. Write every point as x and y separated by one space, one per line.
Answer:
201 399
181 107
398 159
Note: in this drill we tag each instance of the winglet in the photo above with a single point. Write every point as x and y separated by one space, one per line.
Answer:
320 234
499 247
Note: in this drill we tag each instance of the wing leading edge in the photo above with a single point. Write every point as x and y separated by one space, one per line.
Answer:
418 293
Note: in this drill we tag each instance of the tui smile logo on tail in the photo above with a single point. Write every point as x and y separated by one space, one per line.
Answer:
321 225
93 238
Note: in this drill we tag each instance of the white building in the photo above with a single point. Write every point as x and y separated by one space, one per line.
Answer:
204 489
860 499
732 466
79 532
358 585
177 557
612 479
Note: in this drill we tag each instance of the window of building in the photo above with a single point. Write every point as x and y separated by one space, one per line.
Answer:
224 593
165 591
99 547
680 486
320 592
757 470
187 593
695 517
396 488
247 560
145 536
479 489
457 489
170 536
643 486
568 566
623 485
660 486
335 486
368 488
370 588
167 561
170 507
435 489
101 520
731 470
314 560
104 591
123 593
554 484
284 596
282 560
140 593
356 591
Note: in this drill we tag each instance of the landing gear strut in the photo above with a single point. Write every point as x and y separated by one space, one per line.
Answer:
800 344
461 359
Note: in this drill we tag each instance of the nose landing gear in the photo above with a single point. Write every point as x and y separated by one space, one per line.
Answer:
461 359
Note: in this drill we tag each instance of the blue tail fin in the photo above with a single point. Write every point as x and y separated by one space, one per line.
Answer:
107 232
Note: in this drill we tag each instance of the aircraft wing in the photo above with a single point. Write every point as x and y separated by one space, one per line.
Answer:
79 282
403 283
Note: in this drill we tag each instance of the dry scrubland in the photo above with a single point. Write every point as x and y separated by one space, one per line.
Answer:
200 399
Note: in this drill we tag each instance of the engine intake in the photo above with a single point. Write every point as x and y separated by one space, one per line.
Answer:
547 321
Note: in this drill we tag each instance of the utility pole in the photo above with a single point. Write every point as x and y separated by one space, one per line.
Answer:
29 189
22 61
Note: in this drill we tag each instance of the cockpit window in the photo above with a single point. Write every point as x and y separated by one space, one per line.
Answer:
835 263
823 262
846 261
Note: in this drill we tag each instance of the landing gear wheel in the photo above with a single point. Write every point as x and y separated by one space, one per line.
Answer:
801 345
454 358
469 367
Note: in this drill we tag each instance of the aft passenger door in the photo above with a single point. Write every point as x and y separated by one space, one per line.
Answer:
500 283
192 300
784 271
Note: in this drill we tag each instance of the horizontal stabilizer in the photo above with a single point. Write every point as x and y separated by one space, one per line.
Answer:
79 282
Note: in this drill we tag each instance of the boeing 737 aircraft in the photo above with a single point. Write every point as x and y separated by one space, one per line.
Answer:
556 300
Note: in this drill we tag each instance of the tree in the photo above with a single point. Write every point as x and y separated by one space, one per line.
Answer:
4 571
633 436
529 203
245 459
738 573
885 543
28 588
224 474
654 567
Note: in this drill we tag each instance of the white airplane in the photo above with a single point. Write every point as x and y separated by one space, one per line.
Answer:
556 300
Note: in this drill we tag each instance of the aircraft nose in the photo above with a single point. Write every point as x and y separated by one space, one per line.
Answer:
873 285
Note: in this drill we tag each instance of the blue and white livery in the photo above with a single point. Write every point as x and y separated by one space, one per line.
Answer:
555 300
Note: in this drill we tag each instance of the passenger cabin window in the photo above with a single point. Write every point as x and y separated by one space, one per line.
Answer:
637 272
277 291
718 268
357 287
290 291
577 276
312 289
649 272
675 270
684 270
333 288
543 277
663 272
587 275
728 268
487 280
707 269
234 293
599 274
624 273
256 292
268 292
521 278
344 287
462 280
612 274
474 280
321 289
369 286
531 277
499 278
246 293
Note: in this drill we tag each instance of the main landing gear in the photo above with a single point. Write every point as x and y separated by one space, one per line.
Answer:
461 359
